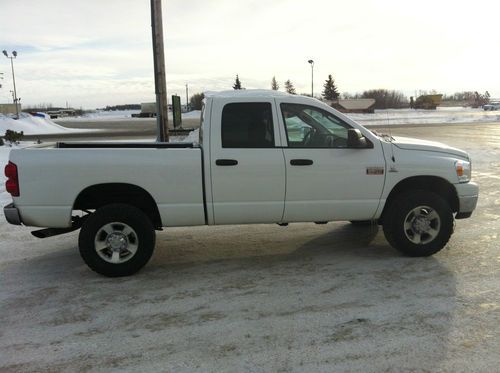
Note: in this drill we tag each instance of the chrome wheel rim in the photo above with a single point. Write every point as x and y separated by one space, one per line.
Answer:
116 242
422 225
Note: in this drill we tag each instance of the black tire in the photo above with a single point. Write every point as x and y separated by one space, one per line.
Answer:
418 223
130 227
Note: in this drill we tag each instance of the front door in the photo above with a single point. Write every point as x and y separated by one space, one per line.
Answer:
326 180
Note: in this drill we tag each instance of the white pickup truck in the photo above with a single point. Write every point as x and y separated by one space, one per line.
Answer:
262 157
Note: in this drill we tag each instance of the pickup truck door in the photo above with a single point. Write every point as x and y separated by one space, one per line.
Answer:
326 180
246 162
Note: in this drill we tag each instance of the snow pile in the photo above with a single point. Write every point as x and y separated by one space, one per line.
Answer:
194 137
29 124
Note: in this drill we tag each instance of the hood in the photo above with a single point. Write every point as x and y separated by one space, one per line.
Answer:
432 146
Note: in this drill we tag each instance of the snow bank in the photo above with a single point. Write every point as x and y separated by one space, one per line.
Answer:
30 125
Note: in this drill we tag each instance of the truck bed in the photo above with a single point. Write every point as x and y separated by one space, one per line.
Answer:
51 179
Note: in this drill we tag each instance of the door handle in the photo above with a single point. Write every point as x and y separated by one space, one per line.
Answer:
301 162
226 162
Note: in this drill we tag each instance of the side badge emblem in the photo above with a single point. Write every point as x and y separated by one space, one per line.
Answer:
374 170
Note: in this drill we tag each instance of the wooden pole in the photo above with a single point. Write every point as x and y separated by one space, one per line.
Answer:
159 67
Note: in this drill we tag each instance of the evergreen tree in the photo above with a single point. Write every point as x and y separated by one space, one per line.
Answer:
237 83
274 84
330 91
289 87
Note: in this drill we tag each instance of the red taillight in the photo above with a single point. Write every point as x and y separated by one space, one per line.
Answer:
12 183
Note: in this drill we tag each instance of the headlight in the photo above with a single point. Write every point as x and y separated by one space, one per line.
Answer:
463 169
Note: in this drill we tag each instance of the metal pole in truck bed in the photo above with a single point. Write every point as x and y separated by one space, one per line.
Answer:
159 66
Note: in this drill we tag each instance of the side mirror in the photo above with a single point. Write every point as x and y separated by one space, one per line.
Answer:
355 139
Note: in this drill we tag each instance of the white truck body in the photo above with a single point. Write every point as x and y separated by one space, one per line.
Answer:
282 182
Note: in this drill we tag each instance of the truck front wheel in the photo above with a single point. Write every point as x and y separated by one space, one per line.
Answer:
117 240
418 223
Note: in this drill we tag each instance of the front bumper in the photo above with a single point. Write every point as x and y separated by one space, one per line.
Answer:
12 214
468 194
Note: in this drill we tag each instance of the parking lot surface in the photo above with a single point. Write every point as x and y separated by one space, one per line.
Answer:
266 298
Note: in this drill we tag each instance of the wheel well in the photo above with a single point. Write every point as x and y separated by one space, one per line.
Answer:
434 184
99 195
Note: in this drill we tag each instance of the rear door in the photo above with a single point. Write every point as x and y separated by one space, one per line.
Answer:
246 162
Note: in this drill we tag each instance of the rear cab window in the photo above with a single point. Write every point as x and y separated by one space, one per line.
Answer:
247 125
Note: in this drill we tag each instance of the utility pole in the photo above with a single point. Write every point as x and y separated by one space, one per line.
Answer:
159 67
187 97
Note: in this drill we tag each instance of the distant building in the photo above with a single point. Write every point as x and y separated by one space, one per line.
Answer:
354 105
9 108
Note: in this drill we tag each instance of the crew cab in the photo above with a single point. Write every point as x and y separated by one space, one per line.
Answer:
262 157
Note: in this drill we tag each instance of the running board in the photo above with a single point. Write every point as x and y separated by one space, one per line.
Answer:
50 232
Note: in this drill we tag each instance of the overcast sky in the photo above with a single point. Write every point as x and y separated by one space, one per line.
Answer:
93 53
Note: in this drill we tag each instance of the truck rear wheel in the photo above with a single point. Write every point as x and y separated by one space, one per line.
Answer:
418 223
117 240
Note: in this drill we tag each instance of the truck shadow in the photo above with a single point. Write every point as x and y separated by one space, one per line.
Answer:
269 242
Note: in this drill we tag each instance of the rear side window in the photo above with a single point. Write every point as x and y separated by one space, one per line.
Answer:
247 125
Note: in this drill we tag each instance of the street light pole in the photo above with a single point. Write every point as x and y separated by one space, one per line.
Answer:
14 55
312 77
187 97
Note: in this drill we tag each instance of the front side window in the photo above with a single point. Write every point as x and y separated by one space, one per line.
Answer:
247 125
310 127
